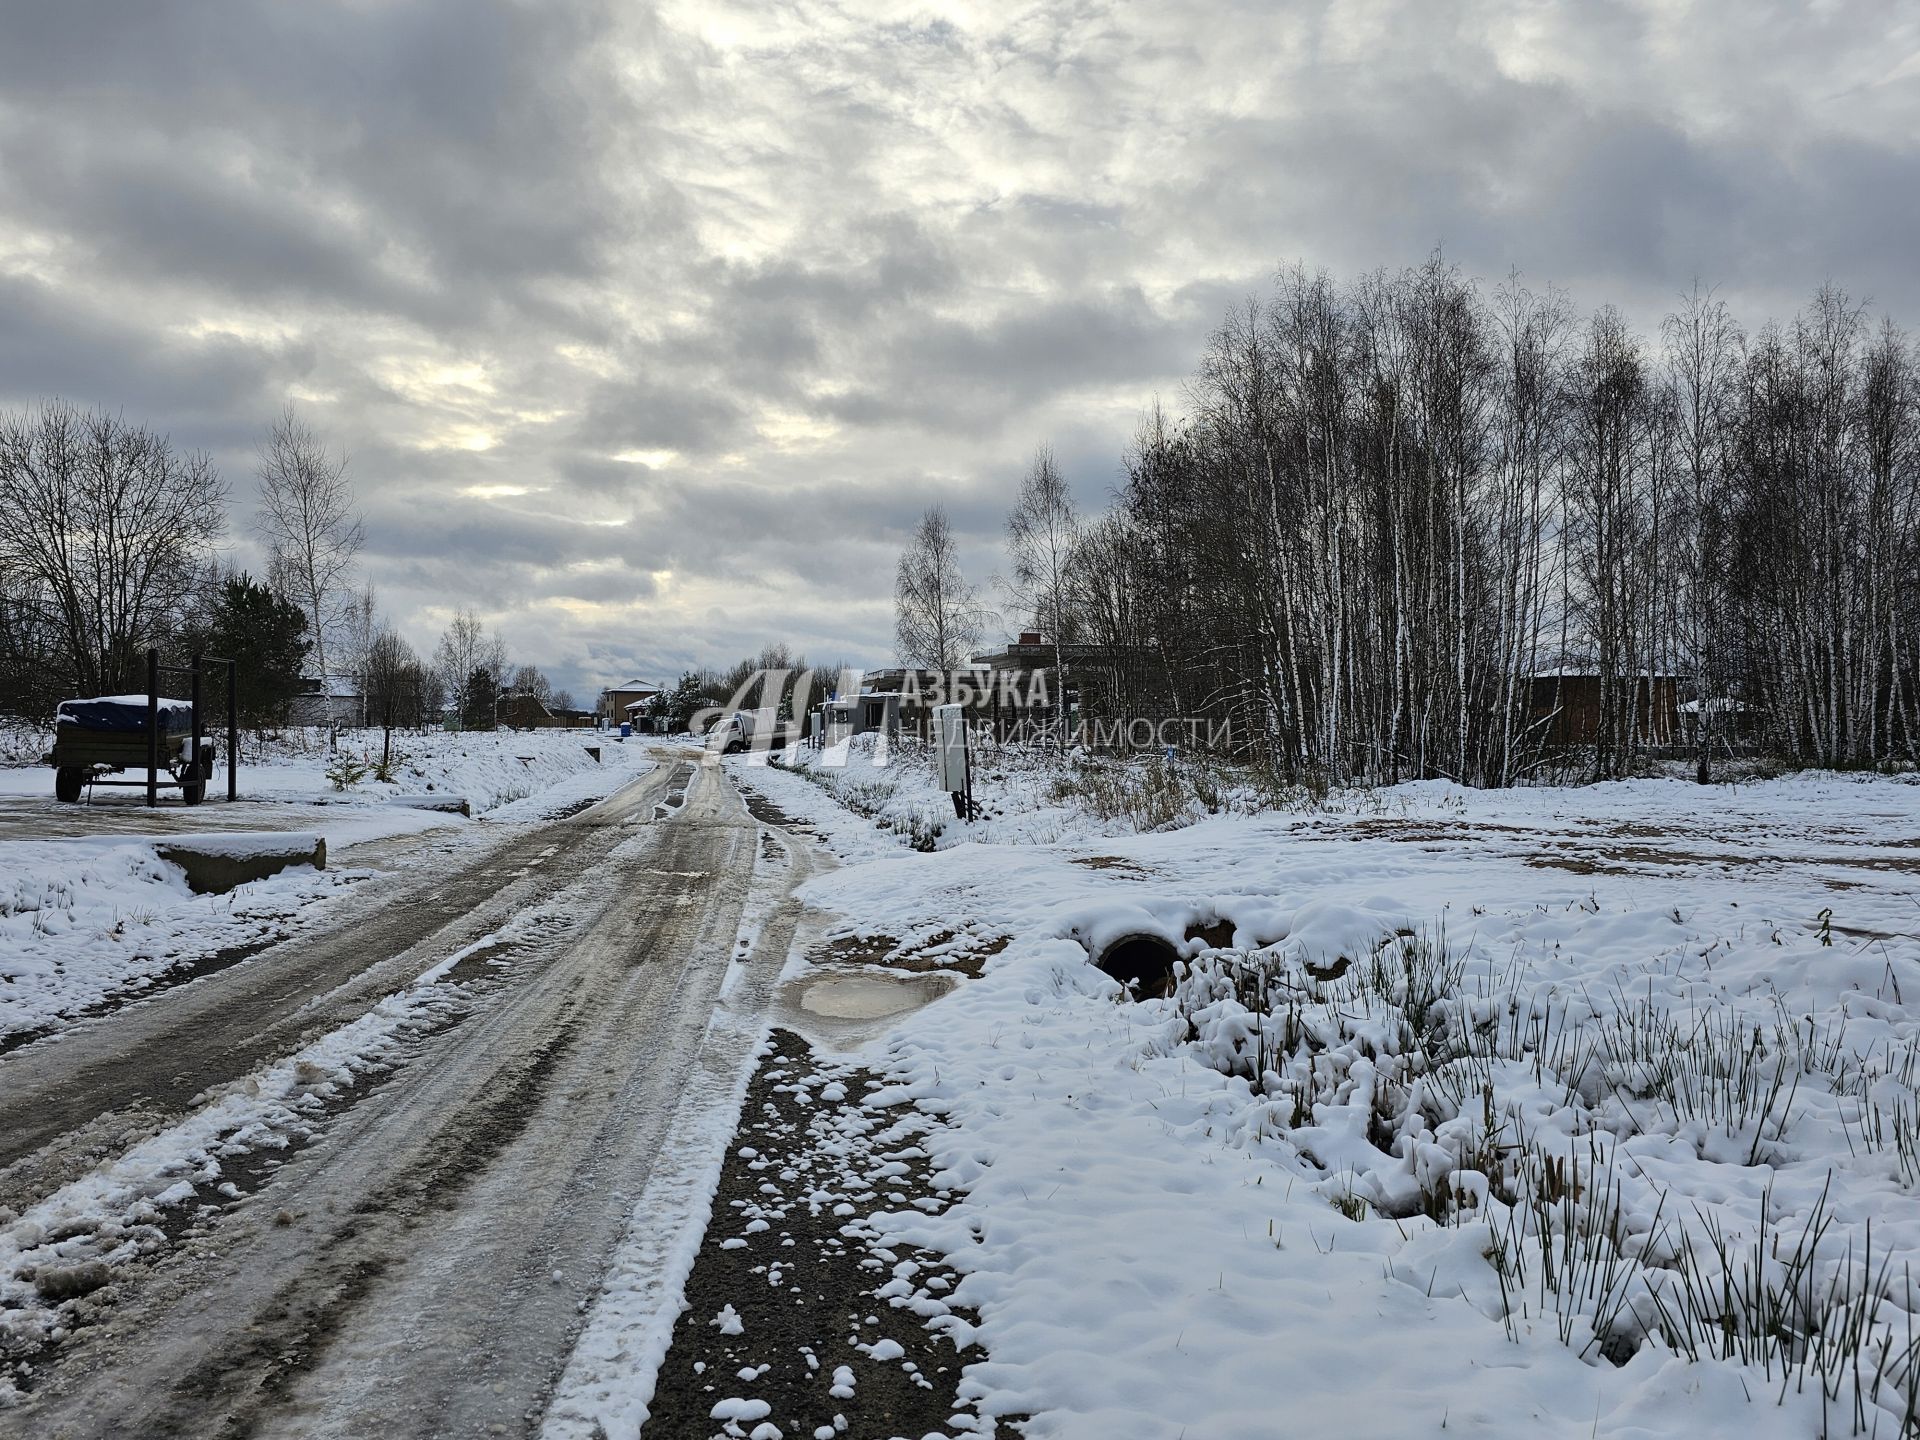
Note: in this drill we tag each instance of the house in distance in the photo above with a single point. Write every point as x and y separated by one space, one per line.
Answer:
625 701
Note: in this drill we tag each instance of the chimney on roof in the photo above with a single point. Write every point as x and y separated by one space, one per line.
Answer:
1029 637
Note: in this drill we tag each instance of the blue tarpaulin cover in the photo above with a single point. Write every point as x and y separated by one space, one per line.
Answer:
124 714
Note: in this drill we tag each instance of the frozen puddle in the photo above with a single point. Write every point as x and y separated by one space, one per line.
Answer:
839 1003
869 997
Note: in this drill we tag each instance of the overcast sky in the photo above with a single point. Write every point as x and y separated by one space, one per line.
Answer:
651 328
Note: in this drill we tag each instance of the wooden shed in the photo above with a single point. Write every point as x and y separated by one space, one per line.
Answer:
1568 704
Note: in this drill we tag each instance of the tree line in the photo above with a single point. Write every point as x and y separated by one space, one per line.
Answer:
1395 510
110 543
777 677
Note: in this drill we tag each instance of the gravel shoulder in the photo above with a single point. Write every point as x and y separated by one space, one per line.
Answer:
796 1314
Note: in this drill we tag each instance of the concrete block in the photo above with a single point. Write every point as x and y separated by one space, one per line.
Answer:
215 864
449 804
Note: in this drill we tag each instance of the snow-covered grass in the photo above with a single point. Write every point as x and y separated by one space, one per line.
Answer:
83 921
1553 1111
489 768
1027 795
1663 1158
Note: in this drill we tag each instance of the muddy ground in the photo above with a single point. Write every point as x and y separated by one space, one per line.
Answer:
784 1304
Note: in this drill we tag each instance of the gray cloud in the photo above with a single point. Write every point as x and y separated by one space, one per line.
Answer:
55 343
651 329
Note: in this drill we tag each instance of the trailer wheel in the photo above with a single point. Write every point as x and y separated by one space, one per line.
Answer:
67 783
194 791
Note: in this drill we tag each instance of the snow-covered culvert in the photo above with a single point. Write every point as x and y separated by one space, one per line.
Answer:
1141 962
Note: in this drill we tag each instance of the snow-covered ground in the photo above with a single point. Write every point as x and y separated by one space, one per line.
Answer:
489 768
1551 1111
89 912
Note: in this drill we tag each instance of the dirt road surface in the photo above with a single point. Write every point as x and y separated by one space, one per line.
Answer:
423 1267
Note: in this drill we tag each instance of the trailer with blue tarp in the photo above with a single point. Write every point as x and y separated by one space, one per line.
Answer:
108 734
111 734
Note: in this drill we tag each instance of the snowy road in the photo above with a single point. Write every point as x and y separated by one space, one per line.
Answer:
422 1266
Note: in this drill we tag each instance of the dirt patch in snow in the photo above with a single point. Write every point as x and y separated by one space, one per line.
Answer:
1131 869
1597 857
958 952
1413 831
1217 936
854 950
768 813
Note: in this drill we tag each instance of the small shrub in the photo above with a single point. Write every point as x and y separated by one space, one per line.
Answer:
346 771
1154 795
924 831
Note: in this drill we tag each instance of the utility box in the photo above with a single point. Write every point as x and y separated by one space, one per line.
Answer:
950 748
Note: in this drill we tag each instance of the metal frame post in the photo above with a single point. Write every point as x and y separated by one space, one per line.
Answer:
233 730
153 726
194 695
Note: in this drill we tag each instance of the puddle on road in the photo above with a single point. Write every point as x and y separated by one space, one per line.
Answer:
844 1006
866 997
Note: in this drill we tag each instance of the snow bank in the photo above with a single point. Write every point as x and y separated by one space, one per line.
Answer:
1027 796
82 922
893 785
244 844
490 769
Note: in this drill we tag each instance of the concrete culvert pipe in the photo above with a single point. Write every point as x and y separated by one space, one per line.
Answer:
1142 963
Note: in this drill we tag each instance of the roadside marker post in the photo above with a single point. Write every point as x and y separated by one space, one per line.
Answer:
233 727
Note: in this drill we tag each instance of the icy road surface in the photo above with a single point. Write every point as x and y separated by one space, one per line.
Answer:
411 1140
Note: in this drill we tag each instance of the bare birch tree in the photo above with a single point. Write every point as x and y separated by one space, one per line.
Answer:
528 680
1890 452
308 521
937 613
396 687
1042 532
465 651
1702 356
1395 511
